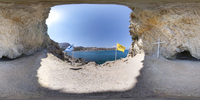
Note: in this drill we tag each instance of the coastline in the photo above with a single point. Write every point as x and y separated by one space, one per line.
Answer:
95 50
99 57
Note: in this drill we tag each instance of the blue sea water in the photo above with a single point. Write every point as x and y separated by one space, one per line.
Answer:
99 56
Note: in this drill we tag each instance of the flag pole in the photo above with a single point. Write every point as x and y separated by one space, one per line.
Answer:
73 51
116 53
73 55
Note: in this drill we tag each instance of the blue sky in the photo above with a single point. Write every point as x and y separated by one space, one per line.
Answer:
90 25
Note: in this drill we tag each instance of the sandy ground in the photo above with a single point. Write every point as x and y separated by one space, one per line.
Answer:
44 76
111 76
18 77
171 77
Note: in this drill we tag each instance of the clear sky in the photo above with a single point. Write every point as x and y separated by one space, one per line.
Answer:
90 25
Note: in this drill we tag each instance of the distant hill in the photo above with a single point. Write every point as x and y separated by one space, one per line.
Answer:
80 48
63 46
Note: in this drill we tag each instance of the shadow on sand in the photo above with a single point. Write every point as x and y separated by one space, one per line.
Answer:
140 90
21 81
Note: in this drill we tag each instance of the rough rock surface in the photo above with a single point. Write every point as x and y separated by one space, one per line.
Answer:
176 24
54 48
22 29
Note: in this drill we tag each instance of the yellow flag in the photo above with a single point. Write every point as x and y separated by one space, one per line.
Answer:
120 47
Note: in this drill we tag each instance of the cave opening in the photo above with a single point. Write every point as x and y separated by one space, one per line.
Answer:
185 55
93 29
4 58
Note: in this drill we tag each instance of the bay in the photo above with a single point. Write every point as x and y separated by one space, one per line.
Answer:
99 57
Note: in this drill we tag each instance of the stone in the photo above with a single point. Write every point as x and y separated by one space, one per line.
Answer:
54 48
177 24
74 61
23 32
22 29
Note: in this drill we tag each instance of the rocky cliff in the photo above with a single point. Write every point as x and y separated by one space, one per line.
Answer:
22 29
176 24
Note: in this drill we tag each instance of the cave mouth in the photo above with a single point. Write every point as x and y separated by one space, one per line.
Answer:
91 26
4 58
185 55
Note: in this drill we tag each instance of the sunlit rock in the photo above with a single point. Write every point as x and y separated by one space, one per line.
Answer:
176 24
22 29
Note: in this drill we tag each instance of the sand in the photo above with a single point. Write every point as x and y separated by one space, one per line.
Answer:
111 76
43 75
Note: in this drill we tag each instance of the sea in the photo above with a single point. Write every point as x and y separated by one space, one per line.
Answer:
99 57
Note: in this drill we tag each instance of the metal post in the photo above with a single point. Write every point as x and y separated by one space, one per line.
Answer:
116 53
72 54
158 52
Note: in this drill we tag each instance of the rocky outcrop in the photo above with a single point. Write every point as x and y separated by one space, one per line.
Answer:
22 29
176 24
54 48
63 46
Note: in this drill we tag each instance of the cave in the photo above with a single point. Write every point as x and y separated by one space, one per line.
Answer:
24 31
4 58
185 55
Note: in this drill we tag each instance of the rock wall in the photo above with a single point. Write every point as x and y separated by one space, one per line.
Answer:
22 29
176 24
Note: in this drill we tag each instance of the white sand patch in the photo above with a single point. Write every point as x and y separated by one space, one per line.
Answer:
111 76
26 77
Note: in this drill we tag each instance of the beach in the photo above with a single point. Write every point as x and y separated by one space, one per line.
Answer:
99 57
44 75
